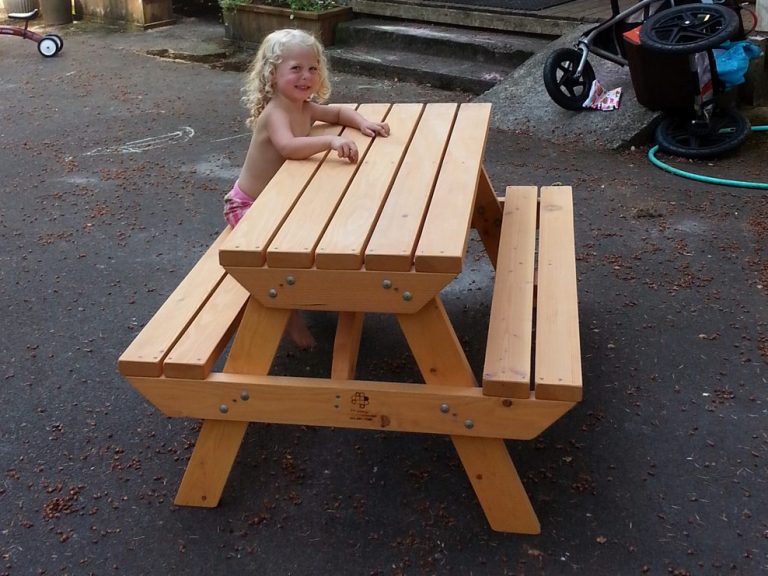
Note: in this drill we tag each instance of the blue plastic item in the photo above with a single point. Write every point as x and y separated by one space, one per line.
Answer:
732 61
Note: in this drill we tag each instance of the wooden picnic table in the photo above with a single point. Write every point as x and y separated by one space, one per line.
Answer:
385 235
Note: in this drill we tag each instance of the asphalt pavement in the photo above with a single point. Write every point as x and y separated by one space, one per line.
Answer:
114 163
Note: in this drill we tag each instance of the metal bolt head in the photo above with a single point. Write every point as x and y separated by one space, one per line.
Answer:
244 395
223 408
272 293
290 280
469 424
407 296
444 408
387 284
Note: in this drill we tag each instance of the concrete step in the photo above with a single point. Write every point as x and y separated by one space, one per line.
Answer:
446 57
479 17
424 38
437 71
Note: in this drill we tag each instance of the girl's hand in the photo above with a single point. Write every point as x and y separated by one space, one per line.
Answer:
345 148
372 129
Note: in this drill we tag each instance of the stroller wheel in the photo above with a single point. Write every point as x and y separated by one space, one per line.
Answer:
563 86
683 136
689 28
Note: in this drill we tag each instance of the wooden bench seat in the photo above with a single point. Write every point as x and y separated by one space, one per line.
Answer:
188 333
533 348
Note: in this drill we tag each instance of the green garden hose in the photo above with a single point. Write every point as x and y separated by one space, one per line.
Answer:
708 179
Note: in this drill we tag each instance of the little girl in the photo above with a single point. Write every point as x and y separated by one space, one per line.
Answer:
287 75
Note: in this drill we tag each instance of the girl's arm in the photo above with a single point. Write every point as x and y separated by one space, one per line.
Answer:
300 147
346 116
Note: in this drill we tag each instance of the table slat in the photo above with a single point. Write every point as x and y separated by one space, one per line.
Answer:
294 244
342 245
393 242
248 243
441 247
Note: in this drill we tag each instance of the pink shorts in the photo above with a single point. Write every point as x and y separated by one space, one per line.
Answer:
236 204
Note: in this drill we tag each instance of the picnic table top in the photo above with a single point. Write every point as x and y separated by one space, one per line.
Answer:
405 206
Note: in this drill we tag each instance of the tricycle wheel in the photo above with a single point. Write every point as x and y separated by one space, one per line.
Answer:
563 86
683 136
689 28
47 46
58 40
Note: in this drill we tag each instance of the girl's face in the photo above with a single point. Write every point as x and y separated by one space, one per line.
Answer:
297 77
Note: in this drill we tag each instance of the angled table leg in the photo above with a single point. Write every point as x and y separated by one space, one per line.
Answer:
497 484
486 460
212 459
346 346
487 215
253 350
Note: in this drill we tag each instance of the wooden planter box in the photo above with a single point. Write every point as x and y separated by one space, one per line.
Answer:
144 13
250 23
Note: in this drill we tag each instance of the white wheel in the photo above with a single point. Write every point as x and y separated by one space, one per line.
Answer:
48 47
58 41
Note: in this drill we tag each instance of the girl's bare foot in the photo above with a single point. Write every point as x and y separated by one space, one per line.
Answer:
298 332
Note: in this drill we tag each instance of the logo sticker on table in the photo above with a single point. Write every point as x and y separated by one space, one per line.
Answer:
359 411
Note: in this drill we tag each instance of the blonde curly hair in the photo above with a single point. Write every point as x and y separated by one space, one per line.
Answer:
258 85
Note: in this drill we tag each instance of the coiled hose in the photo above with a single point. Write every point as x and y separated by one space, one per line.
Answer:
708 179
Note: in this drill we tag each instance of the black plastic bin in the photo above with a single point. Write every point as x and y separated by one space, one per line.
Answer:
661 81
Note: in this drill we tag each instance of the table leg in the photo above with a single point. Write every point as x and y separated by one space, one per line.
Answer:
253 350
487 216
497 484
486 461
346 345
434 344
212 459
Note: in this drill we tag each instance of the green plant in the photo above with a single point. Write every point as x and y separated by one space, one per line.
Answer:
293 5
304 5
230 5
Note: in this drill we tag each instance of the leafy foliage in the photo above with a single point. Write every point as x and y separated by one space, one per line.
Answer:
230 5
305 5
294 5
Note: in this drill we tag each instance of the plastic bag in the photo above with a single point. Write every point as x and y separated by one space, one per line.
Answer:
601 99
732 61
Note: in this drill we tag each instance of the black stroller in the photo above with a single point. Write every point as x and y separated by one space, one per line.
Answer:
669 49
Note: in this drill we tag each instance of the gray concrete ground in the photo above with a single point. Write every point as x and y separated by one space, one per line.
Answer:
114 164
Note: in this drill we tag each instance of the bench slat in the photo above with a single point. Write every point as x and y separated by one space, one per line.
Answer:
145 355
197 350
342 245
294 244
394 241
507 369
558 349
